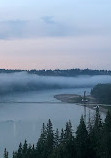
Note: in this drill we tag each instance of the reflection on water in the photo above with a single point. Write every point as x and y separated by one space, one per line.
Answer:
20 121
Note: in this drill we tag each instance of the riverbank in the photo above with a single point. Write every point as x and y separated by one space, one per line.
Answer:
74 98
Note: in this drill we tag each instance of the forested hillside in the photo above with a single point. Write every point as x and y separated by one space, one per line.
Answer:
102 92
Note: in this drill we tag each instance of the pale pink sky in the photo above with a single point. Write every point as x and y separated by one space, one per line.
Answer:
63 53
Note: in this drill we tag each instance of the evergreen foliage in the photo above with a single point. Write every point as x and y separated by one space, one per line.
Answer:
91 141
102 92
107 136
5 153
82 140
57 72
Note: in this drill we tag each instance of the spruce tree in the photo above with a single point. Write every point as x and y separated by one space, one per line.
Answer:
56 138
106 139
50 138
14 155
41 150
5 153
19 153
68 131
70 148
25 149
82 140
67 147
96 136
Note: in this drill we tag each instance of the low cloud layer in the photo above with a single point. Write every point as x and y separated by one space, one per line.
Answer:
47 26
23 81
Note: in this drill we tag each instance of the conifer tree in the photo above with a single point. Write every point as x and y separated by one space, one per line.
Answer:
106 139
19 153
50 138
94 143
33 152
96 136
5 153
14 155
70 148
68 131
41 144
29 151
25 149
82 140
56 138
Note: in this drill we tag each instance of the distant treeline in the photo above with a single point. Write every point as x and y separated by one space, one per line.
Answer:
68 72
93 141
102 92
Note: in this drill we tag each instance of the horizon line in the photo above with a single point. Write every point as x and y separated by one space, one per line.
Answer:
55 69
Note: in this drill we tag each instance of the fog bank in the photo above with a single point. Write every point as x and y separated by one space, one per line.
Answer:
23 81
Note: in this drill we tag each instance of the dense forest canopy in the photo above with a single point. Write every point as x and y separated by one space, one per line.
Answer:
91 141
57 72
102 92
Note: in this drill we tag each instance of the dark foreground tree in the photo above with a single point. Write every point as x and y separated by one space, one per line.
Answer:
5 153
82 140
92 143
106 139
95 136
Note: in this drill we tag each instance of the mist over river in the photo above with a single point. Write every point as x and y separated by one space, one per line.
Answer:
26 101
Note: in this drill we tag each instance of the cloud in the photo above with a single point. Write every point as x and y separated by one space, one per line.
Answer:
47 27
12 28
54 18
48 19
32 29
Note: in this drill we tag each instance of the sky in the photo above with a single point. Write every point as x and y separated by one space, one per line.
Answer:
58 34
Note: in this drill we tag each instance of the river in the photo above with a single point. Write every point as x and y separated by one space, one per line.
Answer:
22 115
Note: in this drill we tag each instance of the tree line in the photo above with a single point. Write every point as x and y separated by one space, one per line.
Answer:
91 141
57 72
102 93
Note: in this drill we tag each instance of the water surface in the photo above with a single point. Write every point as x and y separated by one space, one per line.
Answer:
22 115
